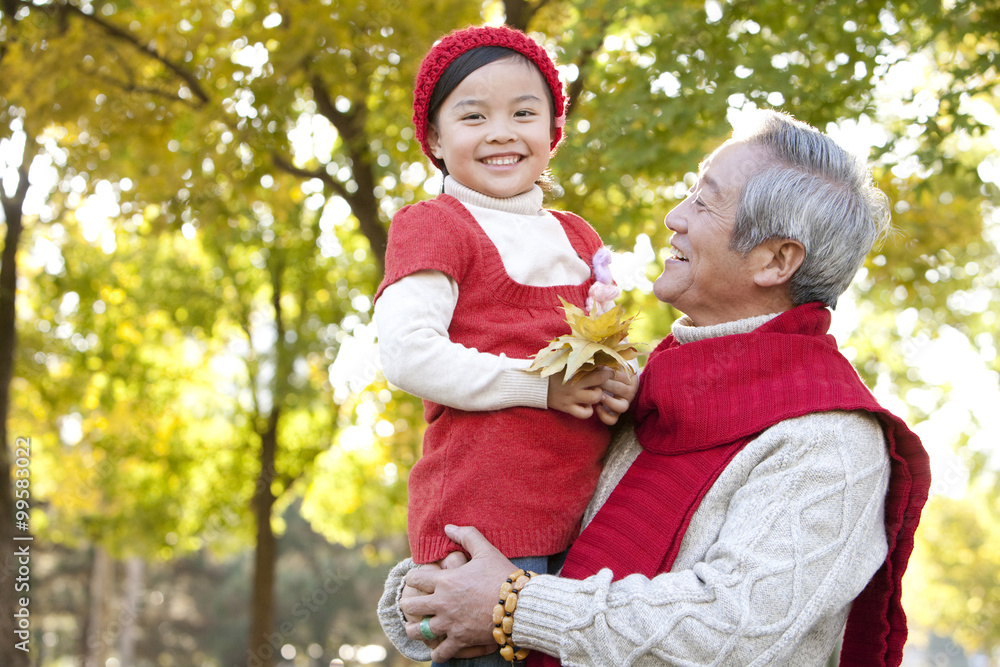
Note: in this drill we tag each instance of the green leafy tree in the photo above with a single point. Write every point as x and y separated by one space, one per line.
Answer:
957 568
141 108
13 217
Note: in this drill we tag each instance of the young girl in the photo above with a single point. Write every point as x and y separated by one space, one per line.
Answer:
471 291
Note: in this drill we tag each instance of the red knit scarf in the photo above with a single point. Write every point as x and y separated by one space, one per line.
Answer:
699 404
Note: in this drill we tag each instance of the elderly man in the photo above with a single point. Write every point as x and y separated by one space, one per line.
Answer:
760 499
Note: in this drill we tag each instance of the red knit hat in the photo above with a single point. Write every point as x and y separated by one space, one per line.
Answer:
458 42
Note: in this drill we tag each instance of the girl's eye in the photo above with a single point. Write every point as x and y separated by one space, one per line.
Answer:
524 113
473 116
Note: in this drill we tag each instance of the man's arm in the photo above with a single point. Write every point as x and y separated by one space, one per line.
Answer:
797 533
800 540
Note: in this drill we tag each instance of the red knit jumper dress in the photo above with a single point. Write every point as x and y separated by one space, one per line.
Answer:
522 476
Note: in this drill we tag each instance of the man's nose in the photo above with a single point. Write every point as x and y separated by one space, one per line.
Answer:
676 220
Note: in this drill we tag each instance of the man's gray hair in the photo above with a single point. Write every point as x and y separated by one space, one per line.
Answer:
813 191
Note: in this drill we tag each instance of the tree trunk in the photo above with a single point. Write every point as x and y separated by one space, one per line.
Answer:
363 203
129 617
262 646
95 642
520 12
264 643
10 596
515 11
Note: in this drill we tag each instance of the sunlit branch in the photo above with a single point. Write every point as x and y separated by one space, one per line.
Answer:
363 204
129 87
190 79
282 163
583 62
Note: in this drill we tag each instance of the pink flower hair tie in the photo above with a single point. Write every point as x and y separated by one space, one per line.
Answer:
561 120
602 294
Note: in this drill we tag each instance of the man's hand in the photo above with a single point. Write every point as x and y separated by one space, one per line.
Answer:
578 397
459 600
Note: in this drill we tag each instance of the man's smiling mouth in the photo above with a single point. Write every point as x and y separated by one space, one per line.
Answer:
677 254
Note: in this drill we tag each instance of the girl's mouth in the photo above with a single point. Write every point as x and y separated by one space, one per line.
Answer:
502 160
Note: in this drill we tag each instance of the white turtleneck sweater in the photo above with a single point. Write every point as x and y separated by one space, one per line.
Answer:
413 314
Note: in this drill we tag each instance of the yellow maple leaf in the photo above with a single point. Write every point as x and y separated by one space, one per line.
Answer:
593 340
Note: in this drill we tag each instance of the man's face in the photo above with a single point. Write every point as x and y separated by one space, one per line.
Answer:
703 278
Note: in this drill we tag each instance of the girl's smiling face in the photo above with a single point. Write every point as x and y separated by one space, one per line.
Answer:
494 130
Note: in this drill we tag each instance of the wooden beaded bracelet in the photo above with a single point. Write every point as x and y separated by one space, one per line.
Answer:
503 616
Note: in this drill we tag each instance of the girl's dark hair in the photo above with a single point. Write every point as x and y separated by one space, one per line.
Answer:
466 64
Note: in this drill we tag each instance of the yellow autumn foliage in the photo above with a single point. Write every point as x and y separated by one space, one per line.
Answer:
593 340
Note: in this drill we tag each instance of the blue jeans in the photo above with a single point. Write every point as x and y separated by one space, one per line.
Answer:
539 564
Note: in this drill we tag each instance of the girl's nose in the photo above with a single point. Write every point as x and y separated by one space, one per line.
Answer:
500 131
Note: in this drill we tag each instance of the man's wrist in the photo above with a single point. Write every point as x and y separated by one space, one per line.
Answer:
503 615
546 607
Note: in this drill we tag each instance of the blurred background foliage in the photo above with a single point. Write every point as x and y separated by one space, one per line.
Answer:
195 202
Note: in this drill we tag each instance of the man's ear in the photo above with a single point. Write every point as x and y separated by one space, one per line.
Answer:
782 259
434 141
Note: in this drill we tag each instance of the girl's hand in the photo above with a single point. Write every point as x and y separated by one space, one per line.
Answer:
452 560
578 397
618 394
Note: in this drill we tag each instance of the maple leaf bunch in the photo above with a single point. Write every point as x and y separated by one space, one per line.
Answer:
594 340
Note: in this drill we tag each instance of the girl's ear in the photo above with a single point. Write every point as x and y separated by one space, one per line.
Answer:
434 141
